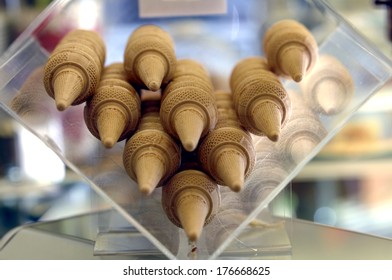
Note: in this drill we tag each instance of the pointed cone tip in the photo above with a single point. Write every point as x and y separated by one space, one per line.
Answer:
110 125
273 136
149 171
62 104
230 167
298 77
295 63
192 214
267 119
189 145
189 127
108 142
146 189
152 70
67 87
236 186
193 236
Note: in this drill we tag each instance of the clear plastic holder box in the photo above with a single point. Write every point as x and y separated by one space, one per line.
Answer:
218 41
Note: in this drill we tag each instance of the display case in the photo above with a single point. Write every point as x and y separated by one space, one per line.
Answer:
218 35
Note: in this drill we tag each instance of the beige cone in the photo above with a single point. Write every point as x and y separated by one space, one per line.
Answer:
189 124
151 68
83 60
288 37
114 110
149 57
151 156
191 200
68 85
192 208
294 61
227 154
149 171
267 118
230 166
258 118
111 122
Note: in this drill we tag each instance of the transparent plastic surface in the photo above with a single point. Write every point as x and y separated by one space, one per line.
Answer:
218 42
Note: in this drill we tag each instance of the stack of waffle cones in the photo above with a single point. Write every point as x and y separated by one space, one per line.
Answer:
290 48
190 120
113 112
260 100
149 57
227 152
74 68
151 156
191 199
188 110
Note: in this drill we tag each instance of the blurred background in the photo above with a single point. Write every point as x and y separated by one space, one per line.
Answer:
347 185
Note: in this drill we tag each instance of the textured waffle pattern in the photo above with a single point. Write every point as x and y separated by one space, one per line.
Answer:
252 85
285 34
271 93
86 59
191 89
114 92
89 39
151 136
190 96
145 140
145 40
119 97
234 138
251 77
191 82
190 179
246 66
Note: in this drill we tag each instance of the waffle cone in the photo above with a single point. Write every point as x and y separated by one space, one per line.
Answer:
294 61
152 69
230 167
68 85
189 125
149 170
267 118
192 209
111 122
